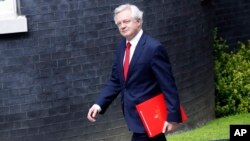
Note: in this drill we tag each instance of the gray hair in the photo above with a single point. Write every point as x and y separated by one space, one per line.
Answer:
136 12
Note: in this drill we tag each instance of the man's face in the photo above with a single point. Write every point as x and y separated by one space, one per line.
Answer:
127 26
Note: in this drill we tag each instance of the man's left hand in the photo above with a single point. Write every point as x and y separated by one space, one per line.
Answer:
169 127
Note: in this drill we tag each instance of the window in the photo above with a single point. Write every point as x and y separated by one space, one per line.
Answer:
10 20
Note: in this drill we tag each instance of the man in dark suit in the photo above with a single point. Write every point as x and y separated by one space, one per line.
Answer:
141 70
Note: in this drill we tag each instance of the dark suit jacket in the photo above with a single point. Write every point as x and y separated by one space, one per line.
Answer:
149 73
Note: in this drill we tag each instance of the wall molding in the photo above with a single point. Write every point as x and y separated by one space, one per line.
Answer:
10 20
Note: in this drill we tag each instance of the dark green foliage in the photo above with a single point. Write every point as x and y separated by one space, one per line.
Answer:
232 78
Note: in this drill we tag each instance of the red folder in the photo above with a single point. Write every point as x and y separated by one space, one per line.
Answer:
153 113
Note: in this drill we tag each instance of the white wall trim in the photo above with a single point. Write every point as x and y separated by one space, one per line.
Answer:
10 20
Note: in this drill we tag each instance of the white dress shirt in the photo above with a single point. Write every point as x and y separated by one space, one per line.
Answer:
133 43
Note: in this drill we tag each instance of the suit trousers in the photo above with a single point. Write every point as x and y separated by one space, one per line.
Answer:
144 137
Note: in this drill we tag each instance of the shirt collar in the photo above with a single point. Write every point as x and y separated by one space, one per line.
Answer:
136 39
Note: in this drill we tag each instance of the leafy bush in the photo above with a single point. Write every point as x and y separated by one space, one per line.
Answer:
232 78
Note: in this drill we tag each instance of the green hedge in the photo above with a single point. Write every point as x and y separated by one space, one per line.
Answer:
232 77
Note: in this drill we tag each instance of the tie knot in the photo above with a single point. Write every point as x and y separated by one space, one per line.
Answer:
128 45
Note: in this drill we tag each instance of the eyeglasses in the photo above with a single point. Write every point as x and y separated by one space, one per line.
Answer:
123 22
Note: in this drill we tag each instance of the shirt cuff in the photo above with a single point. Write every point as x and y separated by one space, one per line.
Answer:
97 107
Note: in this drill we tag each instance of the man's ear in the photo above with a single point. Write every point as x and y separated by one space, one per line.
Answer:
139 22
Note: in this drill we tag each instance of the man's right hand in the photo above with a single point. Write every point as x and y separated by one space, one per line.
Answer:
93 111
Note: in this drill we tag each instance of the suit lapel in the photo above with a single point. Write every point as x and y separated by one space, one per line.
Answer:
122 46
138 51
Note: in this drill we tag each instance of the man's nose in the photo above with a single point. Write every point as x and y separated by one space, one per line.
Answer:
123 25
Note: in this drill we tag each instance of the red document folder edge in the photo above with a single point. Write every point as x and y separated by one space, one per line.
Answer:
153 113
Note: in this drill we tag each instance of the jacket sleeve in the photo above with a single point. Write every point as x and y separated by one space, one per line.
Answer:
162 69
111 89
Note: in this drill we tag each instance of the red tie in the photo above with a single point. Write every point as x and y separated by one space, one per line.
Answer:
126 61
